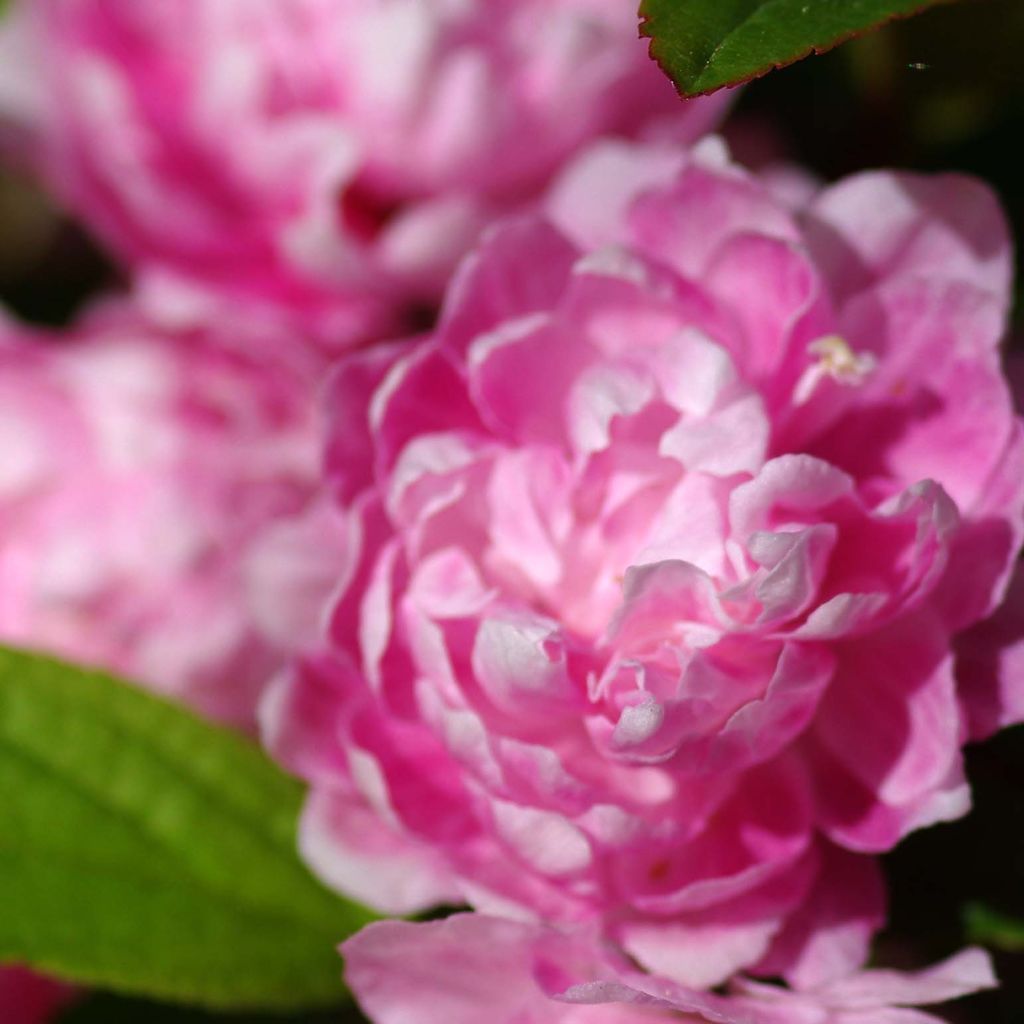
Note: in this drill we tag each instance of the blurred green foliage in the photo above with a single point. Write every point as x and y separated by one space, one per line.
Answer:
148 850
987 927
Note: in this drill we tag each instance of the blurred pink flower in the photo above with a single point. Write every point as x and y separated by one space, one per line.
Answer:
27 998
317 159
470 967
146 481
656 553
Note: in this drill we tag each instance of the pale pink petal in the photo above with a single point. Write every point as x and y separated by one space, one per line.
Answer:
592 196
454 971
520 661
785 307
966 972
935 404
881 225
686 222
353 850
829 937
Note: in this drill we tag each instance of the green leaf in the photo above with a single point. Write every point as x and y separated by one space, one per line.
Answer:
990 928
146 851
703 45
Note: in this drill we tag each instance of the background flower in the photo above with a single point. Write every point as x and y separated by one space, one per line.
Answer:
144 480
323 162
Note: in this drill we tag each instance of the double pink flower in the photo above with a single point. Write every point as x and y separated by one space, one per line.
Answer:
660 552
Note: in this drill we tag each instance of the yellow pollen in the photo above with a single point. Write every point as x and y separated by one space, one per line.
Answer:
835 359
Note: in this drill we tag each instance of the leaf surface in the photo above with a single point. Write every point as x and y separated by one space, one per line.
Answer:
150 852
703 45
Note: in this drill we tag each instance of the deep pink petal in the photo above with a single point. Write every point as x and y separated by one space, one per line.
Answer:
28 998
348 454
520 268
990 665
901 682
830 935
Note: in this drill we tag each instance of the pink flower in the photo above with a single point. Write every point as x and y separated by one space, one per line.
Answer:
470 967
27 998
144 485
317 159
657 553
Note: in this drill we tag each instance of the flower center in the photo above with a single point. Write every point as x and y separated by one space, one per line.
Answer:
835 360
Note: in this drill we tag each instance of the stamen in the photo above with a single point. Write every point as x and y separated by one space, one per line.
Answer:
835 359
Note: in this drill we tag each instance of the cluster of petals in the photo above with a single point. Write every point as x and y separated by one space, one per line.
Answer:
662 559
456 970
325 161
150 484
